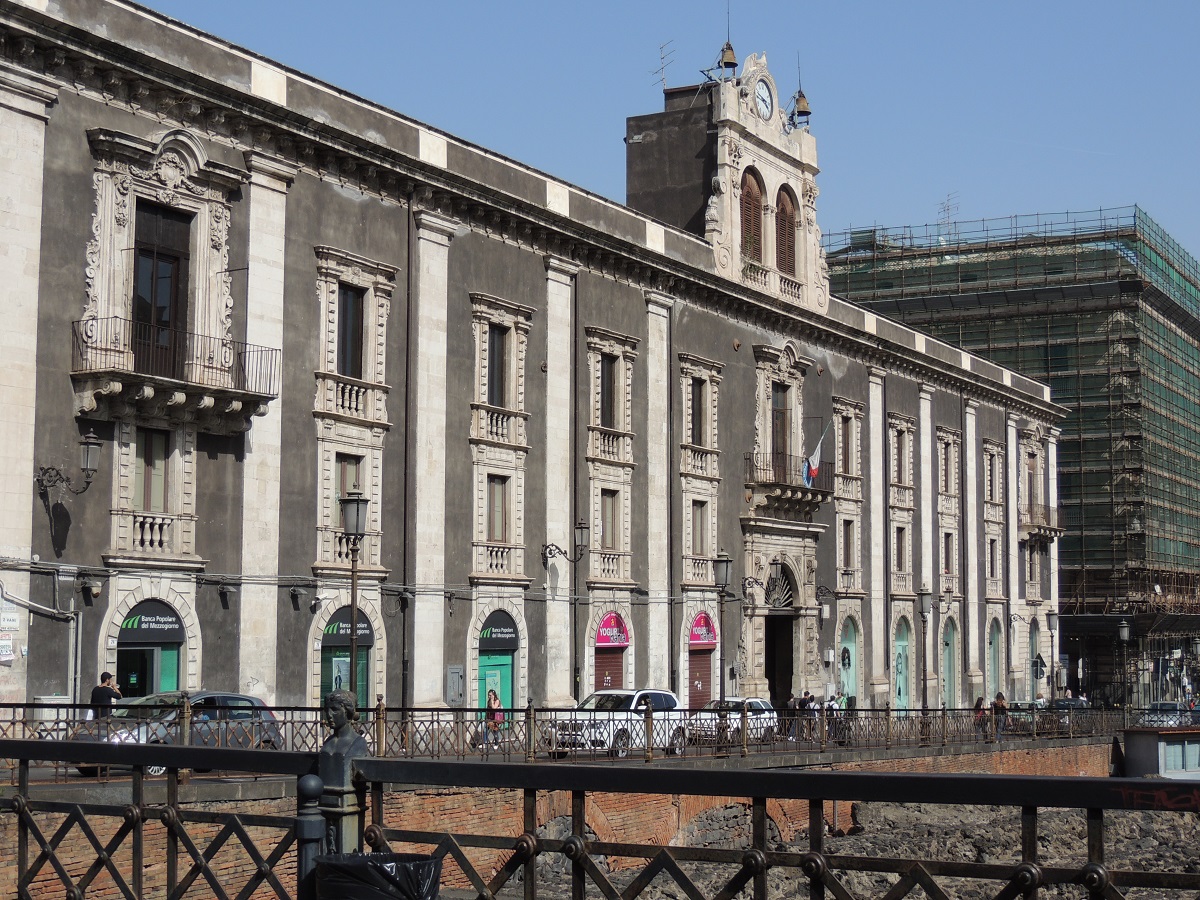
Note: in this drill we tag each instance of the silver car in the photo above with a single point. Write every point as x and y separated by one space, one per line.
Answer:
762 722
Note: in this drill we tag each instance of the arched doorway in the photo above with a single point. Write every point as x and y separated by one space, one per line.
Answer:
994 656
950 698
1035 676
612 640
498 645
702 640
149 649
779 637
335 656
848 662
903 672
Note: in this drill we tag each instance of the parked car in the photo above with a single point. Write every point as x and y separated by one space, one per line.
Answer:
217 720
1167 714
615 721
762 722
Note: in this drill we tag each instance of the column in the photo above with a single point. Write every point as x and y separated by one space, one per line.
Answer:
560 585
877 638
258 605
972 616
427 454
1052 505
658 488
927 461
1012 521
24 101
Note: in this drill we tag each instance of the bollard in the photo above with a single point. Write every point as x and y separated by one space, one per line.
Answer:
649 737
310 835
380 726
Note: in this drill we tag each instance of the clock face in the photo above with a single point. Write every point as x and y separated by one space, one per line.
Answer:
763 99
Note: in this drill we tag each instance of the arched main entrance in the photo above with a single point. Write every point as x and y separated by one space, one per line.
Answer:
335 655
848 662
950 698
612 640
498 645
903 672
149 647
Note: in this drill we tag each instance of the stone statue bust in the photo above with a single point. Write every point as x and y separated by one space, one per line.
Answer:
344 744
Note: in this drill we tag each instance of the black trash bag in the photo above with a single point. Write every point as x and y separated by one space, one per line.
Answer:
378 876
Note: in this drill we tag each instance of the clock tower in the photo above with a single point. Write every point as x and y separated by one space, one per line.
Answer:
725 161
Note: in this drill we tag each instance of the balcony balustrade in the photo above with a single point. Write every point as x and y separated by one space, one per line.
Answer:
788 470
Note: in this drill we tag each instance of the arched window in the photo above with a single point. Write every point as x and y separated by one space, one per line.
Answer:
785 234
752 216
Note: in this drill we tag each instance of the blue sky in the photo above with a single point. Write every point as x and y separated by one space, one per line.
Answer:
1015 107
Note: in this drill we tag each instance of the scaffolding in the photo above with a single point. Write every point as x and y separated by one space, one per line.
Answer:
1105 307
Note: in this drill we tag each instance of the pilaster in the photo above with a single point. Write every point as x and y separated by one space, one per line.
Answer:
877 637
24 102
972 614
427 450
927 461
258 605
658 487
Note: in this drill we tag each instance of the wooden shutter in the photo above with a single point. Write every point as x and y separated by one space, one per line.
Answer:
785 235
751 218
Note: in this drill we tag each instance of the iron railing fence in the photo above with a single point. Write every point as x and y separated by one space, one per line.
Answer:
761 864
531 734
116 344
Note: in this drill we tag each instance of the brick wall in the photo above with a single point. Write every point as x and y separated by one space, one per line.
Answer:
632 818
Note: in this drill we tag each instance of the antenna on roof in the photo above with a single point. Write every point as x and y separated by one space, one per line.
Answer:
947 210
664 60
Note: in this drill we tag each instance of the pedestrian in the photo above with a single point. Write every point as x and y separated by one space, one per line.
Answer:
789 717
495 716
1000 713
981 722
104 695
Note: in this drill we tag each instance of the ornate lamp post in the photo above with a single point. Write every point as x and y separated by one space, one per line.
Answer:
89 461
354 525
722 574
1052 624
549 552
925 597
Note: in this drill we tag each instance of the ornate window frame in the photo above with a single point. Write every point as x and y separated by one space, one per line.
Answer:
340 396
335 436
779 365
506 424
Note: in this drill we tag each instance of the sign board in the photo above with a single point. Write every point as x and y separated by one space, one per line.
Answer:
499 632
612 631
337 632
151 622
10 616
1039 668
703 634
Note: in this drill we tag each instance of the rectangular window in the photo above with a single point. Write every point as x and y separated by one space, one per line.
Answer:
1032 558
162 243
497 371
150 480
609 520
900 458
846 427
947 461
991 563
991 477
900 562
699 414
948 552
351 306
608 391
781 423
348 472
848 554
497 511
699 528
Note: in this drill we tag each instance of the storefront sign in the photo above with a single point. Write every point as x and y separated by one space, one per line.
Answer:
499 632
703 633
612 631
152 622
10 617
337 629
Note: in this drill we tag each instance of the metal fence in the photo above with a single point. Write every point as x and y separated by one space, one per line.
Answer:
549 735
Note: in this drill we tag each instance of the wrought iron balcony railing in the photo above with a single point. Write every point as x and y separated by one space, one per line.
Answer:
789 470
116 344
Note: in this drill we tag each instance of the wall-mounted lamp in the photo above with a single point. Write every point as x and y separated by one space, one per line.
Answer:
297 594
775 572
90 589
945 601
450 602
89 461
549 551
228 594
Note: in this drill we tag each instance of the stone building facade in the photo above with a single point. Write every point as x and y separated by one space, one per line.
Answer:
260 294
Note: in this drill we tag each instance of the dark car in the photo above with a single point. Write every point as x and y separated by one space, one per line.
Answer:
1167 714
217 720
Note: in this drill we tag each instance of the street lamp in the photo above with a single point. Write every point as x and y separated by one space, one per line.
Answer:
722 574
925 597
1052 624
1123 637
89 461
549 552
354 525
